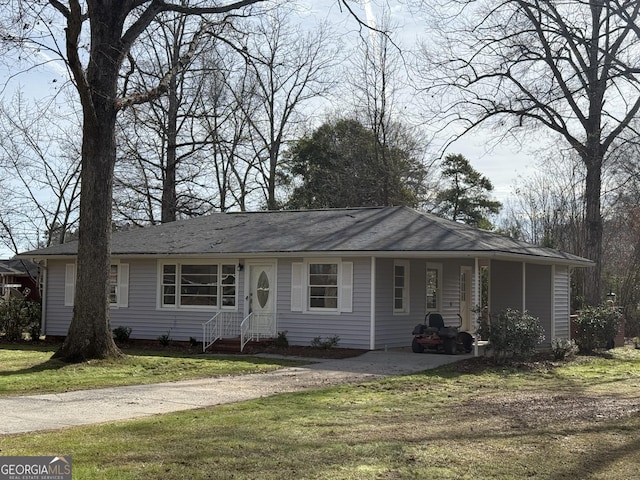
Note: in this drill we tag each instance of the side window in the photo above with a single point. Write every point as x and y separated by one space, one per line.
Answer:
169 283
433 288
228 286
118 284
400 286
113 285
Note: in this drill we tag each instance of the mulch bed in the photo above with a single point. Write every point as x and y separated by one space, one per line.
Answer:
307 352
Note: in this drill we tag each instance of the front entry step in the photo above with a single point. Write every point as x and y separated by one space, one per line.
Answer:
232 345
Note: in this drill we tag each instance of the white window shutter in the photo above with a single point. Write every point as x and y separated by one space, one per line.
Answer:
296 287
69 284
123 285
346 289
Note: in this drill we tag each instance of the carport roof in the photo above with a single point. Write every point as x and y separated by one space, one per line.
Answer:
356 231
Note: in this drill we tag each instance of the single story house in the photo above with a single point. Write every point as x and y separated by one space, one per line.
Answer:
19 276
366 275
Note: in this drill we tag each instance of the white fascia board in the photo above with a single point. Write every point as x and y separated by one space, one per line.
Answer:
496 255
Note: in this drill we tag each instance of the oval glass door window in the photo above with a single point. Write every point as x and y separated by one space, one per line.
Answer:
263 289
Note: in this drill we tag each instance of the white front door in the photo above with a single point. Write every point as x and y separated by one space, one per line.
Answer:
465 298
261 299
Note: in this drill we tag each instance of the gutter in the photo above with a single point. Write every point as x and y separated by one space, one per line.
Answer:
494 255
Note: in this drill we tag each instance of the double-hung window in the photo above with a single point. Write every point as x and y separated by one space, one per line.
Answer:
433 287
207 285
322 286
118 284
400 286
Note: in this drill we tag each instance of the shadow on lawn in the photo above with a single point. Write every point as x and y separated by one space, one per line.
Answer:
50 364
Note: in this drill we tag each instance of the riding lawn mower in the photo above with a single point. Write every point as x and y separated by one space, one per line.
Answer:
434 335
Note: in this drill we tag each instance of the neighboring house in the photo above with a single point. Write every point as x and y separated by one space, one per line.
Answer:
18 275
367 275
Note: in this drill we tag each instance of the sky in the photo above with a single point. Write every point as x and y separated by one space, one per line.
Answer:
503 164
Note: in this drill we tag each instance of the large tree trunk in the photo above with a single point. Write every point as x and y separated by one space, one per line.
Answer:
593 220
169 198
90 334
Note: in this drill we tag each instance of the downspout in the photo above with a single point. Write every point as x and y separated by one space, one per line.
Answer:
44 272
553 302
372 326
524 286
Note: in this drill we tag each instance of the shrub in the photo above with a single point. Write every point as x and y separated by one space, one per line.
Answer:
165 340
121 334
18 316
596 327
512 333
329 342
563 348
281 340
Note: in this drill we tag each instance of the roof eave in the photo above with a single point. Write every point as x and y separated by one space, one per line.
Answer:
496 255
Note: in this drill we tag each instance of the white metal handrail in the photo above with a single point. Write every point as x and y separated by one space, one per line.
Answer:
256 326
221 325
245 331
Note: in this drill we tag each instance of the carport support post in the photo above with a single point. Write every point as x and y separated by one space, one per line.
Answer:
372 325
476 301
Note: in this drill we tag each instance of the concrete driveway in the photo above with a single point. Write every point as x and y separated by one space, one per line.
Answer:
53 411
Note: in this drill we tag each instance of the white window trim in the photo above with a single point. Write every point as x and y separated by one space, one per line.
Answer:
178 263
122 286
406 303
300 287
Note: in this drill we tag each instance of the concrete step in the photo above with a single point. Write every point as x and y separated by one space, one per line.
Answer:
232 345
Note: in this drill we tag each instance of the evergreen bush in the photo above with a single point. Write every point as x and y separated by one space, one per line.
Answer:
596 327
17 316
512 334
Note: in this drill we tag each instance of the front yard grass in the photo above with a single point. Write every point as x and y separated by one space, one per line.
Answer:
542 421
30 369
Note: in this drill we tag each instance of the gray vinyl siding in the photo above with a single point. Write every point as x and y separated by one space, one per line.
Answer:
506 286
539 297
561 307
547 298
58 317
142 315
353 327
145 319
394 330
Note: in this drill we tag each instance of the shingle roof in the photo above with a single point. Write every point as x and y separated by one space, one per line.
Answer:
351 230
18 267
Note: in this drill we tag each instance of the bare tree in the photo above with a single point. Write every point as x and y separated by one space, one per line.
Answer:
289 67
228 103
97 35
376 72
621 269
40 160
372 73
567 67
547 208
161 148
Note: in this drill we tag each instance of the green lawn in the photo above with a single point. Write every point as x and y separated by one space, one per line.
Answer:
29 369
577 421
